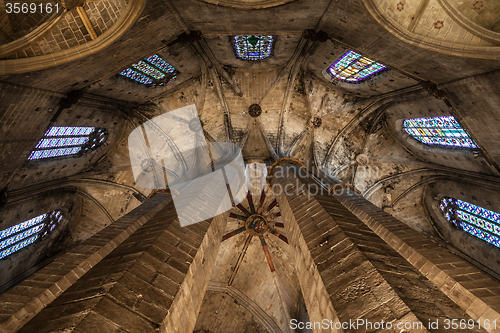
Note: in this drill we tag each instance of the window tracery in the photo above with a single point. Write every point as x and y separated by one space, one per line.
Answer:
354 68
25 233
151 71
62 141
440 131
476 221
253 47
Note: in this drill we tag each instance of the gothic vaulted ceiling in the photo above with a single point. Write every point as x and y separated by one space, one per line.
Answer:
62 68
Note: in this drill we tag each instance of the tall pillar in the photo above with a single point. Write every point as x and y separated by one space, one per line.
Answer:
347 272
22 302
467 286
154 281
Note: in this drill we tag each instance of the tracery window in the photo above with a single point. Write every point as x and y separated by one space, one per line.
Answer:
253 47
441 131
477 221
354 68
62 141
21 235
152 71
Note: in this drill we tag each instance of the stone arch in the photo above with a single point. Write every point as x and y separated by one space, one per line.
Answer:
468 24
42 29
383 18
128 18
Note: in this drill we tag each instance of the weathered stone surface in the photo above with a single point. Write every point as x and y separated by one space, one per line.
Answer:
363 276
139 287
446 271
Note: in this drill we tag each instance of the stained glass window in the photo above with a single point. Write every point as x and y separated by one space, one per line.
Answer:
442 131
354 68
477 221
61 141
19 236
253 47
152 71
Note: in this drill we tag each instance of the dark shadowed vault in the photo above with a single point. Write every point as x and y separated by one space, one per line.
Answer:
378 249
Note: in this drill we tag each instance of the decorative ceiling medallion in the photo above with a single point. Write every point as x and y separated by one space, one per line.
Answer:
248 4
255 110
316 122
362 159
256 225
438 24
195 125
477 5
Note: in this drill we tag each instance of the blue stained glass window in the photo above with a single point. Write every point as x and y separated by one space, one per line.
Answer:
131 74
21 226
477 221
67 131
62 141
253 47
161 64
151 71
441 131
19 236
354 68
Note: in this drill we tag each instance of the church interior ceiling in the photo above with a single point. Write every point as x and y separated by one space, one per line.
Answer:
112 65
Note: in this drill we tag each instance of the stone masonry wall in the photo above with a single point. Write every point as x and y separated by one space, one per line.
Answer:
468 287
156 279
351 271
31 296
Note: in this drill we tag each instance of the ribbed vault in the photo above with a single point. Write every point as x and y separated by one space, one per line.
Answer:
344 132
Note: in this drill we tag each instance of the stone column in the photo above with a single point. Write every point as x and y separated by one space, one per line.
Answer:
347 272
22 302
467 286
154 281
